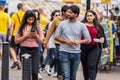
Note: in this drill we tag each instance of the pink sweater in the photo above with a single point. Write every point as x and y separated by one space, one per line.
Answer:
29 42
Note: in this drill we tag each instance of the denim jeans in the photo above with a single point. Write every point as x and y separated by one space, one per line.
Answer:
50 54
54 61
41 54
69 64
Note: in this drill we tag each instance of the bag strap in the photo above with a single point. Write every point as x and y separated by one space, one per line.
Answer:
18 18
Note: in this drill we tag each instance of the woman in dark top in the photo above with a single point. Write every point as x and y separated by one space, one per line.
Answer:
90 53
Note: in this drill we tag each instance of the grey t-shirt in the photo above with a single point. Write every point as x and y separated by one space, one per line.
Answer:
71 31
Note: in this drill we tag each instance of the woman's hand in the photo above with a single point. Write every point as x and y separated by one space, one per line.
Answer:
27 34
46 46
10 38
69 42
34 34
105 50
102 40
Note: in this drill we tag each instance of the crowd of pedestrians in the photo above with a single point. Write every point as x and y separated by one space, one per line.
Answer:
66 39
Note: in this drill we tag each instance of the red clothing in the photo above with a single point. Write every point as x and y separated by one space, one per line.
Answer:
93 33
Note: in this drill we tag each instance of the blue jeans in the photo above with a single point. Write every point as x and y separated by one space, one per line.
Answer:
49 57
69 64
54 61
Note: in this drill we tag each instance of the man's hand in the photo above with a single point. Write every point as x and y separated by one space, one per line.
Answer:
69 42
77 42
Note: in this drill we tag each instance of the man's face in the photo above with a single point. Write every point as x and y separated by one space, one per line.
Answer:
70 14
65 14
2 7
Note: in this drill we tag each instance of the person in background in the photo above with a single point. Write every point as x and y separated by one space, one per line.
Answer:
117 43
43 20
4 25
38 23
69 33
52 54
52 30
40 46
8 30
16 20
90 53
29 36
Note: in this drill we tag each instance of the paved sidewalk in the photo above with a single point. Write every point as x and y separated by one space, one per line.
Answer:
113 74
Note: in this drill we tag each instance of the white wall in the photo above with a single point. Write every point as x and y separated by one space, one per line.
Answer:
12 4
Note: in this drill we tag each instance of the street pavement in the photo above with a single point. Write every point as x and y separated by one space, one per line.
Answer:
113 74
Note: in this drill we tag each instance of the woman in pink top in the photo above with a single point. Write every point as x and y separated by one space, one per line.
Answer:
29 36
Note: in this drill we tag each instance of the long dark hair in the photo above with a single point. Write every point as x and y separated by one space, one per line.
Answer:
95 22
28 14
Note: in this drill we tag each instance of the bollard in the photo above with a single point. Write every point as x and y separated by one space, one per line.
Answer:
26 67
5 61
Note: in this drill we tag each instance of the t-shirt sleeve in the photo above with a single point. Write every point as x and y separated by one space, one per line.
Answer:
58 31
85 33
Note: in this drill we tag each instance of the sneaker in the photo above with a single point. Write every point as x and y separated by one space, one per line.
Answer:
59 77
42 70
15 64
39 76
55 74
49 71
18 67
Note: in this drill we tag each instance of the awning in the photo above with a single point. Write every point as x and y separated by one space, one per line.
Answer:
105 1
98 1
82 1
76 1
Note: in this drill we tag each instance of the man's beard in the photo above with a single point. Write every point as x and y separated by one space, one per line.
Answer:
66 17
71 18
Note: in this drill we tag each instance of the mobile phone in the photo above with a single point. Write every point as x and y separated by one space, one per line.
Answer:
96 40
32 31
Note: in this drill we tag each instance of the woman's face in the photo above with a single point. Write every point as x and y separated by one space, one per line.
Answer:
36 14
57 14
30 20
90 17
